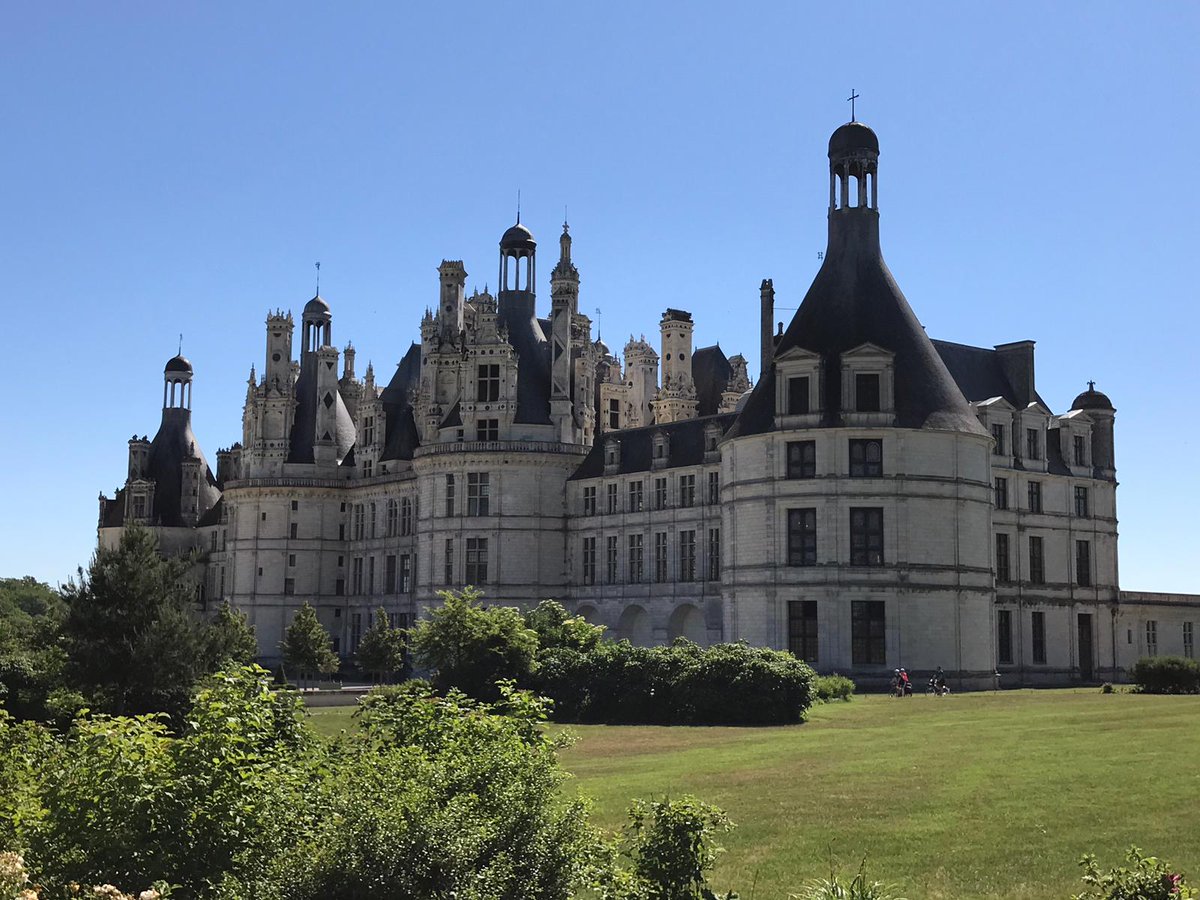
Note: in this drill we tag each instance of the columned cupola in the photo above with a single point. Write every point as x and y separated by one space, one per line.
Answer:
317 326
177 384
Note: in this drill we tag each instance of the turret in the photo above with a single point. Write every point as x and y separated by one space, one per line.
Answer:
641 374
676 399
564 305
1100 410
278 368
453 279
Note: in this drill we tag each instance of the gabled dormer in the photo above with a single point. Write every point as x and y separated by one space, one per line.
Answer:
996 415
798 389
612 456
712 440
1030 433
868 386
1075 441
660 449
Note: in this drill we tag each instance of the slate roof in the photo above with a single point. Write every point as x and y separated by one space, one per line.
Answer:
685 446
304 423
516 312
711 372
978 373
402 437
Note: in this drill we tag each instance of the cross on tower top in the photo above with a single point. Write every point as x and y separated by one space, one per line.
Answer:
1091 385
853 96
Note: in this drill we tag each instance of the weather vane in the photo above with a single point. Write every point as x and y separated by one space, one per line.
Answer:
318 279
853 96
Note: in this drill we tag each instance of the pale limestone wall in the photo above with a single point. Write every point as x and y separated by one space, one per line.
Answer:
1169 613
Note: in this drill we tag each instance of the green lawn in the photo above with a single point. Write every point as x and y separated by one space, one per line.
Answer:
976 795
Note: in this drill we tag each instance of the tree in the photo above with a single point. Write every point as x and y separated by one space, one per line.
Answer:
381 651
133 639
555 628
471 647
307 647
231 638
31 660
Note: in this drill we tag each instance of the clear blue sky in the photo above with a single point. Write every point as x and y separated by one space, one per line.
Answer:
179 167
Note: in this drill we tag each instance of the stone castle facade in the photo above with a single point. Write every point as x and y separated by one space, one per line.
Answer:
874 499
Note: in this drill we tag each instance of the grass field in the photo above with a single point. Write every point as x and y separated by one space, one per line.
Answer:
975 795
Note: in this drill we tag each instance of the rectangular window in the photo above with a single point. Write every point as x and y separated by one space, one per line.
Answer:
212 543
393 518
660 556
1033 444
866 458
339 587
802 459
1038 623
449 570
998 439
1035 496
610 559
1037 561
373 518
291 560
487 429
1189 641
687 555
1003 572
687 490
293 530
797 395
614 414
368 468
636 499
449 495
866 537
357 575
1080 444
589 560
611 493
479 492
289 585
660 493
589 500
1081 502
635 558
342 531
359 521
714 488
370 575
488 384
1083 563
355 631
802 537
868 633
1001 493
406 516
368 430
405 574
802 630
477 560
1151 637
1004 636
714 554
866 393
389 574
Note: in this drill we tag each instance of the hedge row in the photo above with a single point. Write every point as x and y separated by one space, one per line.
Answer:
1167 675
617 683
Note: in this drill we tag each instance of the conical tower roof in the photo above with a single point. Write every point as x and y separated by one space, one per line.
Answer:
854 300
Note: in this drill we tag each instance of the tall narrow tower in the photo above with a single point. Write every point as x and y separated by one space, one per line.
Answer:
564 305
453 279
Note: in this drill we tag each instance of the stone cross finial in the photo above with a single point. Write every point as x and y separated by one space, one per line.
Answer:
853 96
1091 385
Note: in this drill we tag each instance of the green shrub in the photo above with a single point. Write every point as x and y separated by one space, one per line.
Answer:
1106 688
1167 675
683 684
1145 878
827 688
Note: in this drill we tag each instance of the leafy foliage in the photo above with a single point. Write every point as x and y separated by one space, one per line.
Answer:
307 646
231 639
838 887
31 661
471 647
133 640
827 688
618 683
556 628
1167 675
381 650
669 846
1145 878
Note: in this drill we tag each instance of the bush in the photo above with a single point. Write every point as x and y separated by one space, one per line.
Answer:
838 887
827 688
1146 878
684 684
1167 675
1106 688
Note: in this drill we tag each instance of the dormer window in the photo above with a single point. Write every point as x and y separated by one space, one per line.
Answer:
661 449
1079 445
612 456
797 395
712 434
998 431
866 393
1033 443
